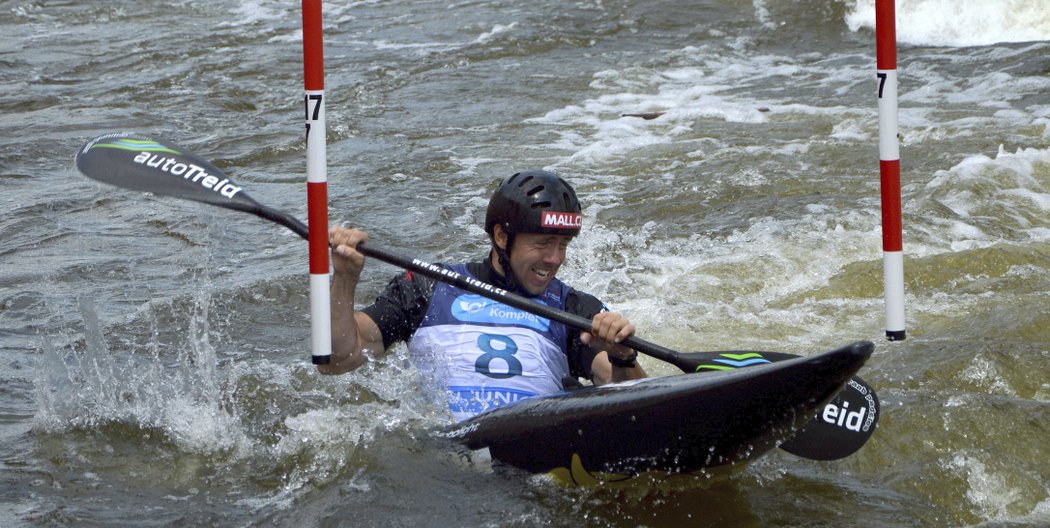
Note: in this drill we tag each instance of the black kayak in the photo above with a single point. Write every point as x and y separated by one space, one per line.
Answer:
672 424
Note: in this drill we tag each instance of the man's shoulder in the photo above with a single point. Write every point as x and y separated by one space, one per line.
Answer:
409 288
582 303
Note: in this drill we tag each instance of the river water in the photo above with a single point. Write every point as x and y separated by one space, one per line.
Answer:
155 353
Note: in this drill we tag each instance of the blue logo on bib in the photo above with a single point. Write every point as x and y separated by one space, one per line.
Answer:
471 308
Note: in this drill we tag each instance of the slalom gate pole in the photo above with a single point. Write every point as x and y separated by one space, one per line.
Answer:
316 183
890 168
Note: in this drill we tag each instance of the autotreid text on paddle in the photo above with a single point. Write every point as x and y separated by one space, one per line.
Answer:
188 171
444 272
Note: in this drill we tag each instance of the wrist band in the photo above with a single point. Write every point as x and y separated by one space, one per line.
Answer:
624 363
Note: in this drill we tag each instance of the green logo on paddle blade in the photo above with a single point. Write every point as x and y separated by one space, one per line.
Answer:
137 145
730 361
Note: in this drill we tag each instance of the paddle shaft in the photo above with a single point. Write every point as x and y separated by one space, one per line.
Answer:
473 285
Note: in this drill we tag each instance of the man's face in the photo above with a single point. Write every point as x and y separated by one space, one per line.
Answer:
535 259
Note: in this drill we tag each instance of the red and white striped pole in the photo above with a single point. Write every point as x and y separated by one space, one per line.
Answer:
890 168
316 183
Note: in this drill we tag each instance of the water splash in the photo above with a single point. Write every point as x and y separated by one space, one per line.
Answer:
182 394
293 430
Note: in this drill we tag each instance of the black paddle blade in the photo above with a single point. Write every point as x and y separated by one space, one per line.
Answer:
140 163
146 164
841 427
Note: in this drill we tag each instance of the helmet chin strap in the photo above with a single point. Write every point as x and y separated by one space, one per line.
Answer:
510 283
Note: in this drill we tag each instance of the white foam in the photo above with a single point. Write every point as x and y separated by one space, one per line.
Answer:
707 85
250 12
496 30
981 202
954 23
751 282
991 492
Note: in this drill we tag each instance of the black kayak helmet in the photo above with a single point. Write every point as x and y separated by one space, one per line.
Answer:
534 201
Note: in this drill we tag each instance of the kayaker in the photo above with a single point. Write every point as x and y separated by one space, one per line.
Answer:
486 353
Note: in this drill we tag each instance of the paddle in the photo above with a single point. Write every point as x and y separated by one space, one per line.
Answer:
145 164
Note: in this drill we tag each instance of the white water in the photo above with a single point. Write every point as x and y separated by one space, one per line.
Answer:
960 23
745 216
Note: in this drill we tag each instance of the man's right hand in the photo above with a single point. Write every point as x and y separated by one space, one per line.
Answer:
352 332
345 257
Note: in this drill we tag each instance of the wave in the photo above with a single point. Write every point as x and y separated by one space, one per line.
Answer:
959 24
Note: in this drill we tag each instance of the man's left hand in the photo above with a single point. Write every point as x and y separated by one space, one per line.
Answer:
608 330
